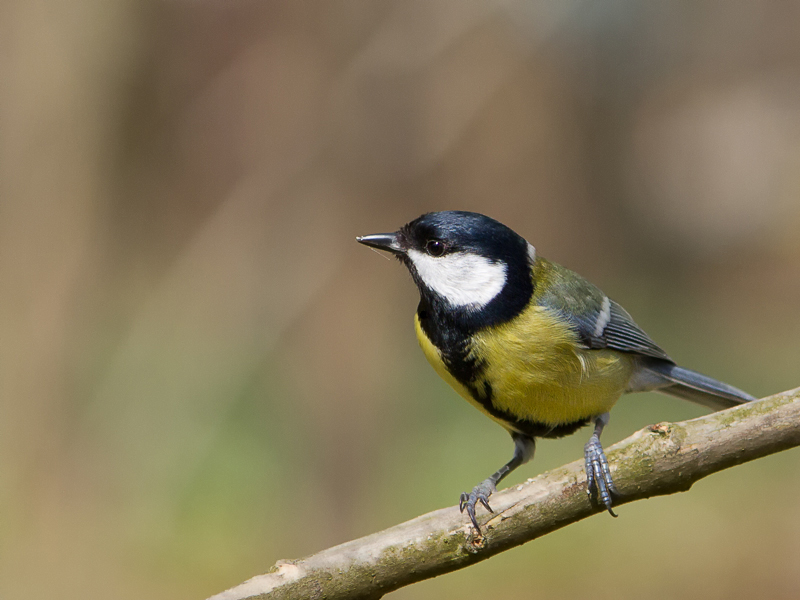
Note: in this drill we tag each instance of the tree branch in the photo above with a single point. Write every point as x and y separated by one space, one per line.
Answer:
658 460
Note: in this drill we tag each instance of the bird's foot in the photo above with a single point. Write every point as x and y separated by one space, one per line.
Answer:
598 475
480 493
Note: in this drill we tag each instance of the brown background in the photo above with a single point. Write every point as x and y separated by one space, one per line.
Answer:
202 372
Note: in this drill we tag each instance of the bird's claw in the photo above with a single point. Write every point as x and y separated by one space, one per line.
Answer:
480 493
598 475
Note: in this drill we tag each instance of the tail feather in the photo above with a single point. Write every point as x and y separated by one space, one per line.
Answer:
694 386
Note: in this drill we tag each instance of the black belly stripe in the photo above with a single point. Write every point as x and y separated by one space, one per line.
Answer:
525 427
454 344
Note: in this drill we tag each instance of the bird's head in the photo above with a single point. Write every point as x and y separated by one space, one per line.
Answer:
466 261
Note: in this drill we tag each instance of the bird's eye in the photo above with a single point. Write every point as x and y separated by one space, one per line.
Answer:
435 247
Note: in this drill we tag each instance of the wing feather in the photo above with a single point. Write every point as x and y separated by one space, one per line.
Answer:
598 321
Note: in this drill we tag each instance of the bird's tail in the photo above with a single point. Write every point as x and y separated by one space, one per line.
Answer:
694 386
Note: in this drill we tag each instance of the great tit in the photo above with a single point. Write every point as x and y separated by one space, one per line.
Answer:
532 345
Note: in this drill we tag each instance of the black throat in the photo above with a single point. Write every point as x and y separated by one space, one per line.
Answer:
451 328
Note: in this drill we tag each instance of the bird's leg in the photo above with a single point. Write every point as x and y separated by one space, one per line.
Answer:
523 452
598 475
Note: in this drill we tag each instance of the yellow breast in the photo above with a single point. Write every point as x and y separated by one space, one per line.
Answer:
538 372
434 357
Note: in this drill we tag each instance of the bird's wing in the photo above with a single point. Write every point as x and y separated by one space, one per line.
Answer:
599 321
623 334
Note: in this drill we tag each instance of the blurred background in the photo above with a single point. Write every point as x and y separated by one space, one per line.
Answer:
203 373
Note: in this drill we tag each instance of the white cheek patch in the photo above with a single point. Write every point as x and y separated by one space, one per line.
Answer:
460 278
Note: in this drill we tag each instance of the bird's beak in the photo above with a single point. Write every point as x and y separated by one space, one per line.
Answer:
382 241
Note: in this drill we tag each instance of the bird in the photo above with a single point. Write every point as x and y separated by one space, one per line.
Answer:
532 345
